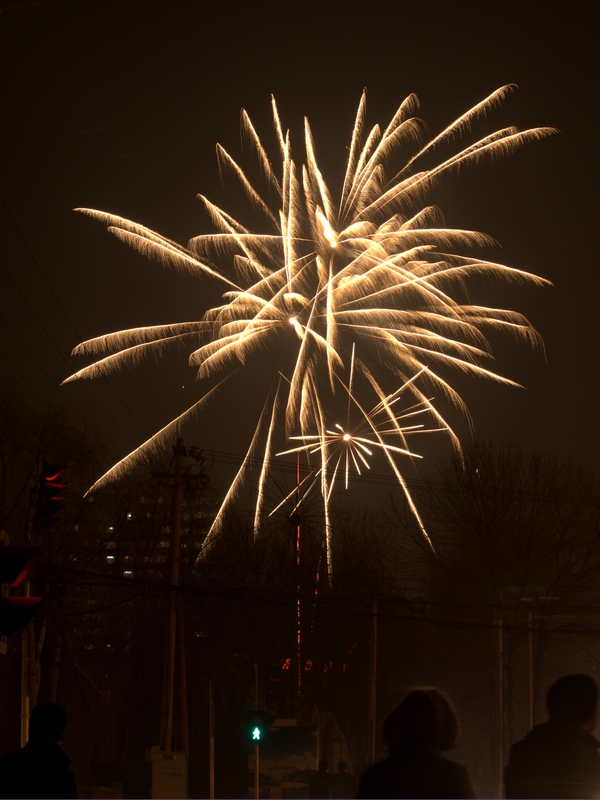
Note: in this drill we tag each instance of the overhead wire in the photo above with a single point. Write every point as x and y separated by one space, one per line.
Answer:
336 603
34 358
66 316
20 374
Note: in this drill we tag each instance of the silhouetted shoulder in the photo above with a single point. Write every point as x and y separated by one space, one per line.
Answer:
554 760
416 773
35 772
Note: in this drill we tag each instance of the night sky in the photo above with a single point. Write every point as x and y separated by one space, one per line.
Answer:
118 106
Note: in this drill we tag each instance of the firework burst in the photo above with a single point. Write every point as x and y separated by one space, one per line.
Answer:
368 286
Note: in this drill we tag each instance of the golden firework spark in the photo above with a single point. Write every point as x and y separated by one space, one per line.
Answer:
377 267
343 449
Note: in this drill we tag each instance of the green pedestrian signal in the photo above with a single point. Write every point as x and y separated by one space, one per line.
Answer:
256 727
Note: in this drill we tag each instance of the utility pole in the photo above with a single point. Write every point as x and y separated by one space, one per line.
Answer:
500 701
211 713
530 665
169 768
27 641
55 668
24 687
373 682
175 554
183 704
45 504
256 746
35 661
296 696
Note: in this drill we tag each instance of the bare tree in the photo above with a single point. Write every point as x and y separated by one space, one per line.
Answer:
511 586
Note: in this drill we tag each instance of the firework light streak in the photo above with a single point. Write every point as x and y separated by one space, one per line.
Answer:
371 286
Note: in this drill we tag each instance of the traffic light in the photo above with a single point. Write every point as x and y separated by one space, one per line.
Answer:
49 500
15 612
257 727
17 563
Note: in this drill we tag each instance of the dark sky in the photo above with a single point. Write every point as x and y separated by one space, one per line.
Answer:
118 106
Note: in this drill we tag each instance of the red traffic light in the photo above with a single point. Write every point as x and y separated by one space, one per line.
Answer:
15 613
16 563
49 500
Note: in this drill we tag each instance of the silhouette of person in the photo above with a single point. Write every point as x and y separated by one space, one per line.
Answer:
319 783
41 768
416 733
559 758
343 785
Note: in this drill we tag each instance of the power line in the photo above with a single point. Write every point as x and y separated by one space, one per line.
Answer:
59 351
20 374
381 479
